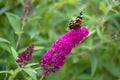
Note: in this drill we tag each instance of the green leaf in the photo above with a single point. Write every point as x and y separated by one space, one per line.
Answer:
99 33
84 77
98 77
3 72
4 9
31 72
4 44
38 47
14 21
4 40
13 51
75 59
34 18
17 71
114 70
31 64
92 32
5 47
103 7
9 72
10 78
94 62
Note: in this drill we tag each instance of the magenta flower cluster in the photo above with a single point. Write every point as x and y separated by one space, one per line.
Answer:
25 56
56 55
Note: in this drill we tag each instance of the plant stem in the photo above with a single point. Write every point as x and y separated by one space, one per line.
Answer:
42 77
16 72
6 75
38 68
19 37
18 41
5 78
26 12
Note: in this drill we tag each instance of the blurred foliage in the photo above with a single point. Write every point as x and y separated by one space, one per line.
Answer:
96 58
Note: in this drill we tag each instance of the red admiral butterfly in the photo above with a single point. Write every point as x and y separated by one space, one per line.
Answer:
77 23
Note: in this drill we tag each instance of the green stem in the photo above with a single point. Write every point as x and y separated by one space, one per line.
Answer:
19 37
16 72
42 77
22 27
37 68
5 78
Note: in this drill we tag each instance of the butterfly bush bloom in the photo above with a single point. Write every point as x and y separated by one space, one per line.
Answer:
56 55
25 56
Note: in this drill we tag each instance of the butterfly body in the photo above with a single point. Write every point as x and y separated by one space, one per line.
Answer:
77 23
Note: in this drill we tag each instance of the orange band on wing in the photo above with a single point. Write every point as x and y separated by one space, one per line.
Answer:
79 19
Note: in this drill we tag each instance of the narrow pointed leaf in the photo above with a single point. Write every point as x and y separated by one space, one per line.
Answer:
14 21
14 53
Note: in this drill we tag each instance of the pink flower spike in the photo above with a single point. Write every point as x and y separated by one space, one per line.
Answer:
56 55
25 56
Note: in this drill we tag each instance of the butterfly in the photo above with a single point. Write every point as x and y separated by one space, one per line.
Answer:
77 23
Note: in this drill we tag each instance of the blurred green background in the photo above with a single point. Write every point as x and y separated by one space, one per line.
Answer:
96 58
